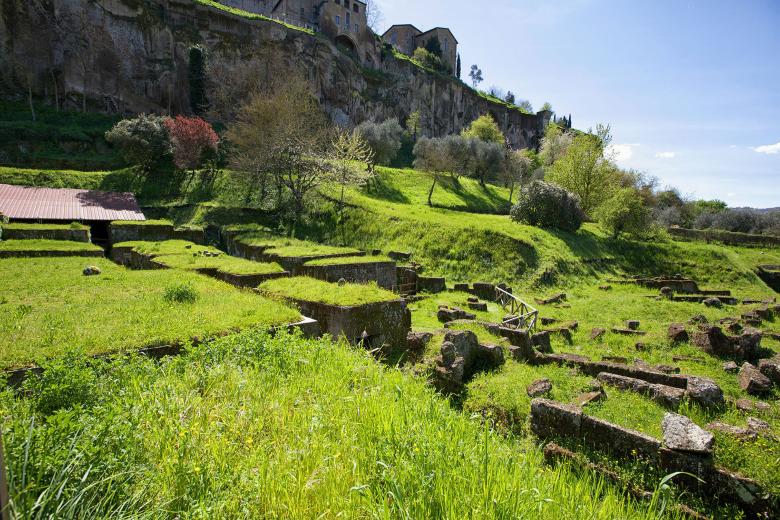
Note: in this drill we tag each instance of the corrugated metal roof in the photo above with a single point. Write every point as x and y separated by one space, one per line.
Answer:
28 202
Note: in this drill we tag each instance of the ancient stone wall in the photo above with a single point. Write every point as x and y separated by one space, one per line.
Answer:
383 273
726 237
131 56
76 235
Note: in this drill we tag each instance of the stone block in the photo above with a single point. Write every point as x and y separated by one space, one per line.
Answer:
381 272
771 369
677 333
430 284
682 434
667 396
752 381
539 388
484 291
541 340
704 392
618 440
550 419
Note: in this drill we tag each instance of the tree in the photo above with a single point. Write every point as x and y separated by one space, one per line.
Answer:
457 67
555 144
352 159
284 138
191 138
547 205
487 158
431 155
526 106
547 106
142 140
413 124
518 168
475 75
486 129
510 98
383 138
197 80
624 212
586 170
374 15
496 92
433 45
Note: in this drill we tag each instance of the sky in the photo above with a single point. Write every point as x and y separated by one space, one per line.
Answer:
691 88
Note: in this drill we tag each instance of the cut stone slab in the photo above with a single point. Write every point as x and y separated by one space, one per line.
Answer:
746 405
558 298
551 419
590 397
417 341
752 381
632 324
541 340
731 367
698 319
628 332
664 395
615 359
705 392
478 306
677 333
597 333
682 434
539 387
771 369
713 302
548 321
740 432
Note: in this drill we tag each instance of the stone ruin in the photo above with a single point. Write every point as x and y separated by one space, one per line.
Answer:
461 357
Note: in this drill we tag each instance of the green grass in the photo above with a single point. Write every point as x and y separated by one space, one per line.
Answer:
49 307
344 260
166 247
33 245
119 180
251 16
310 289
260 427
284 247
43 227
147 223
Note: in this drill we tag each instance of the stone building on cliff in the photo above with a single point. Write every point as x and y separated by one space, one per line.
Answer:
406 38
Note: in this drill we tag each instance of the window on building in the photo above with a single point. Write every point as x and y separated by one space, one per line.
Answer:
346 4
356 8
303 13
338 20
347 23
357 28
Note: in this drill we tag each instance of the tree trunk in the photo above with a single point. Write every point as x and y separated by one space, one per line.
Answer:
511 192
430 192
30 99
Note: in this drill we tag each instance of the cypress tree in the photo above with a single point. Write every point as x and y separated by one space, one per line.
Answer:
458 67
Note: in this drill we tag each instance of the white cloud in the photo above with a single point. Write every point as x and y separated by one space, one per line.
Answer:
769 149
622 152
666 155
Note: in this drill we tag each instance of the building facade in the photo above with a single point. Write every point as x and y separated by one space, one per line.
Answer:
406 38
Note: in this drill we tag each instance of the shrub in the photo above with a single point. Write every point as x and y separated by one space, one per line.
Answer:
428 59
624 212
142 140
384 139
181 293
546 205
191 138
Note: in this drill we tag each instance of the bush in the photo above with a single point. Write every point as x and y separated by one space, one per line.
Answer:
624 212
428 59
384 139
142 140
485 129
181 293
546 205
191 138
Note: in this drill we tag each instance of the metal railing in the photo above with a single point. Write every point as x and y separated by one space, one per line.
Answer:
520 314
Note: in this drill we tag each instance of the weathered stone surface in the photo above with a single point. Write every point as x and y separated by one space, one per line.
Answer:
590 397
628 332
541 340
664 395
417 341
596 333
616 359
677 333
383 273
478 306
558 298
605 287
752 381
461 287
771 369
539 387
484 291
461 356
446 314
741 432
758 426
746 405
431 284
711 340
550 418
618 440
667 292
682 434
632 324
92 270
548 321
705 392
713 302
698 319
731 367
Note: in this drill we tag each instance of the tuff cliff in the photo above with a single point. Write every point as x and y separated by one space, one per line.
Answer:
132 56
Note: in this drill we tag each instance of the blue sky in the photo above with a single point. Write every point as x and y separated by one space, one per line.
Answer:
691 88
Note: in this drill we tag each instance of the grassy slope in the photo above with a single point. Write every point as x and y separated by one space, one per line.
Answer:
49 307
311 289
255 427
46 245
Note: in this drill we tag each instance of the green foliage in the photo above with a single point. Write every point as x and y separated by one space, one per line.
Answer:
624 212
181 293
40 245
311 289
142 140
345 260
486 129
384 139
430 60
546 205
119 310
66 382
433 45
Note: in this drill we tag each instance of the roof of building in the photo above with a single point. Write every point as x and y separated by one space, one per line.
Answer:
402 25
33 203
437 28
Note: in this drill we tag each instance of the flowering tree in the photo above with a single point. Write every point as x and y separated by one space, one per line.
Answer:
190 138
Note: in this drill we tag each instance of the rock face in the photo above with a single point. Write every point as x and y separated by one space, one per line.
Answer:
752 381
682 434
135 58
